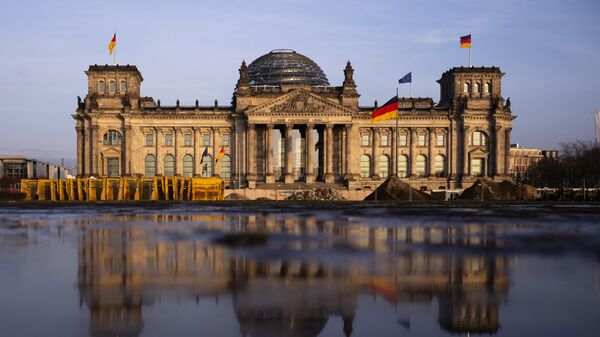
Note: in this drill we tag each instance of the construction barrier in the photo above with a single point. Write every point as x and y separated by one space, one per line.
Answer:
91 189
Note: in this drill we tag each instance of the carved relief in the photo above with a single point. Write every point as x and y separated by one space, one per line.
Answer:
300 103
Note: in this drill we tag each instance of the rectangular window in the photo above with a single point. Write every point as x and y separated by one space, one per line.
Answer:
384 139
365 139
149 139
187 139
206 139
225 139
403 139
168 139
112 167
440 140
421 139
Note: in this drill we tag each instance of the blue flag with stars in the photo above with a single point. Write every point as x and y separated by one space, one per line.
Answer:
406 79
204 154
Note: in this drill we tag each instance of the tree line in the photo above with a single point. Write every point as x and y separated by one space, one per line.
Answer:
578 165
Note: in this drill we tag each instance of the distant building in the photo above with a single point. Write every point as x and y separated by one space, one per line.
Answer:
19 167
521 158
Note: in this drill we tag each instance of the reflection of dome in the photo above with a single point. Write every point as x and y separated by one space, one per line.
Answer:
285 67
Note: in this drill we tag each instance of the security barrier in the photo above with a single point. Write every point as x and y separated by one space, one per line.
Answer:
91 189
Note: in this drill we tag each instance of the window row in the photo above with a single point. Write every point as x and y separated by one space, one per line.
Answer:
188 166
187 139
421 166
384 139
112 86
476 88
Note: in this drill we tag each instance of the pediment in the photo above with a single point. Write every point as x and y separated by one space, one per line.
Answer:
299 102
478 152
113 150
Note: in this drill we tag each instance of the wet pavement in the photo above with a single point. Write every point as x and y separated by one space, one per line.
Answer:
299 270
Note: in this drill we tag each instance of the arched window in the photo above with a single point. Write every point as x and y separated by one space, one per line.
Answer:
486 87
101 87
477 87
123 86
384 166
169 166
112 86
478 138
188 166
207 166
365 166
402 166
226 167
439 166
150 166
421 169
466 88
112 137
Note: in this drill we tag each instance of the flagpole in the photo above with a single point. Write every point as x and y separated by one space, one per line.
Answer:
410 87
470 45
396 133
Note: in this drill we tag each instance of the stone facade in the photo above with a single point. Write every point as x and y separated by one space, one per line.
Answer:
297 132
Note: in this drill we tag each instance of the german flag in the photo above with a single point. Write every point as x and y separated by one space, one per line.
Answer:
388 111
465 41
220 154
112 44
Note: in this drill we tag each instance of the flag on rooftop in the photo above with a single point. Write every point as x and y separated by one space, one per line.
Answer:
388 111
406 79
112 44
465 41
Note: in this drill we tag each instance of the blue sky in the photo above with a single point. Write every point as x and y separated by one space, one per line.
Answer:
549 50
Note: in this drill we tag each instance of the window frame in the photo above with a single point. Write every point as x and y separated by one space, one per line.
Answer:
365 139
187 139
168 139
385 136
149 139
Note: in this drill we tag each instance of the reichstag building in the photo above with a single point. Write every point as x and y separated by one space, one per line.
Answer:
288 124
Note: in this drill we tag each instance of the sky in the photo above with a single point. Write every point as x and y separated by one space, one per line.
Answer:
188 50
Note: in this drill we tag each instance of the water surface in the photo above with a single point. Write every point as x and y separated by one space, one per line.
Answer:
344 270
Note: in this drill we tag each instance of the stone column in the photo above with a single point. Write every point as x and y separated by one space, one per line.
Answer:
269 177
506 152
127 143
95 155
431 153
251 176
176 167
394 151
87 141
348 146
412 132
195 150
374 173
214 150
80 150
329 177
288 177
465 148
158 160
453 149
310 155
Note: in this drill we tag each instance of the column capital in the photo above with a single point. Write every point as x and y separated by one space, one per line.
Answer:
329 126
270 127
310 126
289 126
251 126
348 126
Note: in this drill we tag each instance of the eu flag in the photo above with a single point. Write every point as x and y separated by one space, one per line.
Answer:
204 154
406 79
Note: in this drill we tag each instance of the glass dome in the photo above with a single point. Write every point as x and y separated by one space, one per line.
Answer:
285 67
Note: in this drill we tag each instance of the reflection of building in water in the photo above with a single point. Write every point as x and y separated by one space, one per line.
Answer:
125 267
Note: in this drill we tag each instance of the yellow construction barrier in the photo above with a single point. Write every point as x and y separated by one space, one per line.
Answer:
91 189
